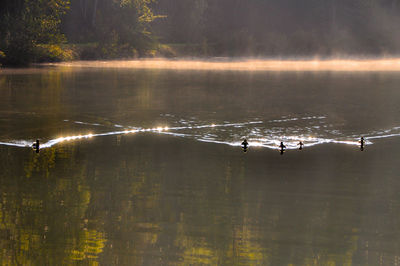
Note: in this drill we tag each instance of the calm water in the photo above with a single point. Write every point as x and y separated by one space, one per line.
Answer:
143 167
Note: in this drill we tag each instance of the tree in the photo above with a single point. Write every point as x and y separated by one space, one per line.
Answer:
26 23
114 25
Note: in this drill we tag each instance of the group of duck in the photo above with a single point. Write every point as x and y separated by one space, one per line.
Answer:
245 145
282 147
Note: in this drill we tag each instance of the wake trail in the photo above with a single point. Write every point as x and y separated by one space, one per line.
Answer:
270 140
52 142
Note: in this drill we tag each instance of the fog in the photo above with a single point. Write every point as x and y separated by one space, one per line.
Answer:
245 64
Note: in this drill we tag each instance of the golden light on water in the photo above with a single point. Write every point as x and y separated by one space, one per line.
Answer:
392 64
290 140
159 129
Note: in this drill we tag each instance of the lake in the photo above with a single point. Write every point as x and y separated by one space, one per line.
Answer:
143 166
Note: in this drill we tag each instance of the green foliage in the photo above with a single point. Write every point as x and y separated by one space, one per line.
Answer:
26 24
32 29
166 50
52 53
2 56
121 28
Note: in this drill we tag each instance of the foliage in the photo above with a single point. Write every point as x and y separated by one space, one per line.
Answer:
31 30
2 56
121 28
53 53
26 24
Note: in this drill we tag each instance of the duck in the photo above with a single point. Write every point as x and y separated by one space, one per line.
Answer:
245 145
36 146
301 144
282 148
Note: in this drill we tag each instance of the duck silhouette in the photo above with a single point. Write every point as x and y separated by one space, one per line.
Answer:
362 142
245 145
36 146
301 144
282 148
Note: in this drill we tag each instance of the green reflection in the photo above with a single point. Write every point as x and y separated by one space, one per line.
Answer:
148 201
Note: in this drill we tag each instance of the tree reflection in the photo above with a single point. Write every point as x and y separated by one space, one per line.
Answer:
152 201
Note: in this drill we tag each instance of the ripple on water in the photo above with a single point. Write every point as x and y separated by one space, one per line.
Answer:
310 130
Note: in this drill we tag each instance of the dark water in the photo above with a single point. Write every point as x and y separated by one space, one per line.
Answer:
143 167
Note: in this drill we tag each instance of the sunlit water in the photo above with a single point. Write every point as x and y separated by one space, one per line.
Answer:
299 117
258 133
143 165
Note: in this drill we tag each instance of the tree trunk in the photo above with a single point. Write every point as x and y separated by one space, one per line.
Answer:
83 4
94 13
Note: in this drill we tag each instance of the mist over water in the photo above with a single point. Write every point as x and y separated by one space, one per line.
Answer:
246 64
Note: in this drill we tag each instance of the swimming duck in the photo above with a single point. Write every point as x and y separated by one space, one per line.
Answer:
245 145
36 146
301 144
282 148
362 142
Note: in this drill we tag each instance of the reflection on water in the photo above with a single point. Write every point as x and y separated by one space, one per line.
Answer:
132 171
162 200
326 106
259 135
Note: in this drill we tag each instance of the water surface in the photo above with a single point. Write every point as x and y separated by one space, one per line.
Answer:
143 166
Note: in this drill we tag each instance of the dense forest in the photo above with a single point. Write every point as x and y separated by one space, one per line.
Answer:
54 30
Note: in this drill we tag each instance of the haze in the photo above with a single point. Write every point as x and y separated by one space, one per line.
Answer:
51 31
246 65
